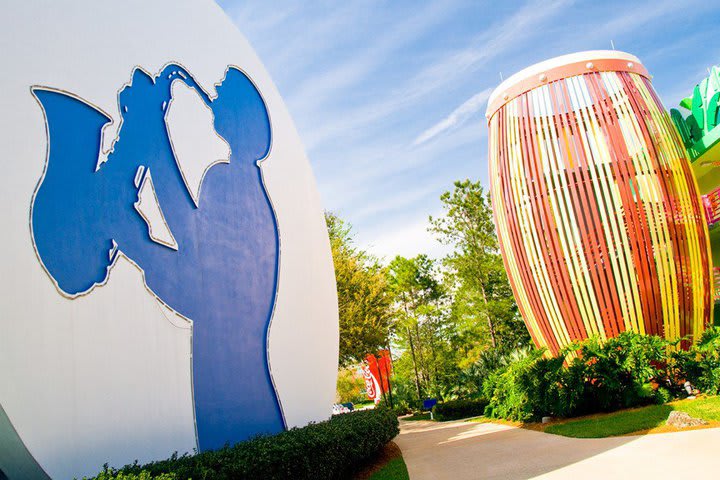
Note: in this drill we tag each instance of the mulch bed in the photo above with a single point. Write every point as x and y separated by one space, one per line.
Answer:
390 451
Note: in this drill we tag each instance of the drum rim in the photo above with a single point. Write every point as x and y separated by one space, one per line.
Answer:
523 81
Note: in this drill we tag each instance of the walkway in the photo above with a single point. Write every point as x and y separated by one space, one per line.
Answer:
463 450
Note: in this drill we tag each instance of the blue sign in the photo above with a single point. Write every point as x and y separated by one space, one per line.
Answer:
220 268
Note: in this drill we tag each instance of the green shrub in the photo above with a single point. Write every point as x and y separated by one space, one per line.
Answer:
470 380
588 377
107 474
701 364
662 395
326 450
509 390
456 409
402 409
617 372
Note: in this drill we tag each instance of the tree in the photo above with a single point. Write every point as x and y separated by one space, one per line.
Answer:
415 292
481 289
363 300
350 386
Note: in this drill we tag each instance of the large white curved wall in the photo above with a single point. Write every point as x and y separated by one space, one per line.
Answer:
107 377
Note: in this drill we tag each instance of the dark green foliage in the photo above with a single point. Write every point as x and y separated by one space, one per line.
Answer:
509 389
456 409
588 377
470 380
108 474
617 372
326 450
701 364
662 395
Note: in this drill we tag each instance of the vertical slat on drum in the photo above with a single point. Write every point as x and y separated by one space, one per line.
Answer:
598 216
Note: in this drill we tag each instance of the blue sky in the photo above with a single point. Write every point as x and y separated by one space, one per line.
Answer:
389 97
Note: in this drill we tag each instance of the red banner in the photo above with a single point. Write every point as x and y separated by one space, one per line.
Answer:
385 368
377 373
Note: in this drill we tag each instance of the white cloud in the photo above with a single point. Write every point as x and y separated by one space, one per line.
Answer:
407 239
458 116
373 88
358 65
493 42
449 68
357 194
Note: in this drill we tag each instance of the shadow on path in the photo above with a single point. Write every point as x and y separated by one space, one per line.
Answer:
460 450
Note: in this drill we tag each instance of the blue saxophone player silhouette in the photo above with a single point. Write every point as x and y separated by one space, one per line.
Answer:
223 273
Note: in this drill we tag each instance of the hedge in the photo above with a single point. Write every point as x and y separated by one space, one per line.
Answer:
325 450
456 409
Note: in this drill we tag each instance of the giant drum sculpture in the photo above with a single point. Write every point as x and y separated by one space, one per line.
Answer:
597 212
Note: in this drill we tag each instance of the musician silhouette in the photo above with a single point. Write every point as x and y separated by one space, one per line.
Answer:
221 270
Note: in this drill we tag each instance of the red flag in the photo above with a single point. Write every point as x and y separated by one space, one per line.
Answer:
385 368
379 370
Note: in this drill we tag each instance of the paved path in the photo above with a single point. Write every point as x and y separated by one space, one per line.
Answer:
463 450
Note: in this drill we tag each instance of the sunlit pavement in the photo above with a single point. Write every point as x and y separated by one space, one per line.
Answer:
464 450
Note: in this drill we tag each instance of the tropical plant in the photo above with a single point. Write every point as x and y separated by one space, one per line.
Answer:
704 107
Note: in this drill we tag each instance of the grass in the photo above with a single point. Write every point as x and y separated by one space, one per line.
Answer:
387 464
418 416
395 469
650 419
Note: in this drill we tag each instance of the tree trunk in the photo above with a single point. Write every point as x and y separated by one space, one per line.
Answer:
436 382
423 363
412 352
390 397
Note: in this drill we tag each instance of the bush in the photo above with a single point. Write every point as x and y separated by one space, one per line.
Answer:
456 409
617 372
662 395
470 380
325 450
510 391
701 364
585 378
108 474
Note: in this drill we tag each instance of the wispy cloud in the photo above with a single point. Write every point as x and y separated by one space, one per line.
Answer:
358 65
458 116
389 171
387 95
295 36
448 68
642 14
406 238
494 42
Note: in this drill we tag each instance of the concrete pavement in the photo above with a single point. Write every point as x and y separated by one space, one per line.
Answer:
464 450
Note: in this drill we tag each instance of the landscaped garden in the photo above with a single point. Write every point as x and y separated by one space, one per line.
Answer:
627 371
628 384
